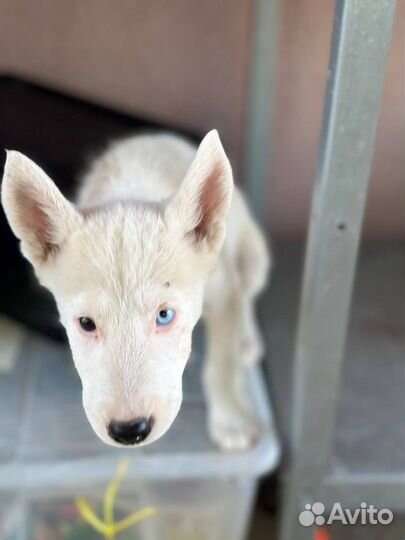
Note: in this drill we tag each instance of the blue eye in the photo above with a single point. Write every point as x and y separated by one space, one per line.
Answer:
165 317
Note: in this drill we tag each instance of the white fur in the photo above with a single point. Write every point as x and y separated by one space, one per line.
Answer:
148 231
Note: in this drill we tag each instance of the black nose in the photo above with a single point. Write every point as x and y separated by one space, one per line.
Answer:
133 432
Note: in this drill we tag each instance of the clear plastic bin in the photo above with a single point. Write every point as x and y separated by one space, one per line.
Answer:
49 456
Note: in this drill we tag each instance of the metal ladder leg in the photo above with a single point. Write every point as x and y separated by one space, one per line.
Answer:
261 104
360 44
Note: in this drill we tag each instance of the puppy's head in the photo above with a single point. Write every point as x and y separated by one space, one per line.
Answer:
128 280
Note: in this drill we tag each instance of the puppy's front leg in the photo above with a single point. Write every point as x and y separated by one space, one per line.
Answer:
230 422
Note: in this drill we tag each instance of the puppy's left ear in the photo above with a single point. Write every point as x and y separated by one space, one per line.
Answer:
204 198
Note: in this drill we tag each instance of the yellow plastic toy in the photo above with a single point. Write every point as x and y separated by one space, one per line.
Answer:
108 527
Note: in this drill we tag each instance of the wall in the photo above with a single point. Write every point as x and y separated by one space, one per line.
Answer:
181 61
186 62
303 63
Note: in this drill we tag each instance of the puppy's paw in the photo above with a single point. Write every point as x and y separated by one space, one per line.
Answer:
234 432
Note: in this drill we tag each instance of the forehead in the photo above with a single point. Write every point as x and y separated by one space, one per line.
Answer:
124 249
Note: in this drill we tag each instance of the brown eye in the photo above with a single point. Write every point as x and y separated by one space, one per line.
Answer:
87 324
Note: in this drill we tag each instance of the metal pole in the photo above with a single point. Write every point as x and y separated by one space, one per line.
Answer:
261 104
360 44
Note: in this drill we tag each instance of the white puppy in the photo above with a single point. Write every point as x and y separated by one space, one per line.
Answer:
133 266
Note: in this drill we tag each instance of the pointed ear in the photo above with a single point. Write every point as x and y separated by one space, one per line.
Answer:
204 197
37 212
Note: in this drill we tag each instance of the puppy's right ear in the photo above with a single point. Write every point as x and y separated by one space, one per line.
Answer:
37 212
